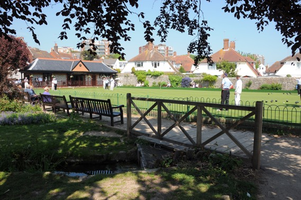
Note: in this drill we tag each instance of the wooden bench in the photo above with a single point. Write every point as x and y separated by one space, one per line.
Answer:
28 99
97 106
55 102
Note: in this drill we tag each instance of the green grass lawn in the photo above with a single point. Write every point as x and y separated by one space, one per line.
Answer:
248 97
279 106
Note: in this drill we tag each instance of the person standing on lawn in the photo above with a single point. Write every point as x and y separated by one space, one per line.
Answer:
54 84
112 83
299 87
226 86
238 90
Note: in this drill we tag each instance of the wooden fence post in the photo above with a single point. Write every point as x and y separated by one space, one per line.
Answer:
199 123
159 115
128 114
257 135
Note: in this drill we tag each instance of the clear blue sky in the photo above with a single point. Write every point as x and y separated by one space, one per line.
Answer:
244 32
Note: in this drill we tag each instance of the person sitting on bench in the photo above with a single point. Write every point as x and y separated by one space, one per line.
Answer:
46 92
33 96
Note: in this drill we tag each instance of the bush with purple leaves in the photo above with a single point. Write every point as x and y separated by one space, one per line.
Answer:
186 82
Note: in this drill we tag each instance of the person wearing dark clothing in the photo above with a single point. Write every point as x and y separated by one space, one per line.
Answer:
33 96
225 93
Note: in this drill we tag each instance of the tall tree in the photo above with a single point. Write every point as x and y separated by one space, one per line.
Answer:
110 19
227 67
14 55
88 55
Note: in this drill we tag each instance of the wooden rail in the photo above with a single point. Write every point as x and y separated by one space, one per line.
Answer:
200 108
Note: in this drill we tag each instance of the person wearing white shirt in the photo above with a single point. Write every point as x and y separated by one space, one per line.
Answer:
54 84
26 83
238 90
112 83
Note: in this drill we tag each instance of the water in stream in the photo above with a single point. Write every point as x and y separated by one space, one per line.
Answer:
93 169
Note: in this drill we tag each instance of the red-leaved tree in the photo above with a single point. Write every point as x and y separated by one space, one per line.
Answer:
14 55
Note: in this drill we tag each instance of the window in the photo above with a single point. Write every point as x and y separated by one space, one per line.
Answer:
211 67
299 65
155 64
139 64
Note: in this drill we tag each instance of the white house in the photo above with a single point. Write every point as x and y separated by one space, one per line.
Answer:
290 65
262 69
150 59
111 62
244 66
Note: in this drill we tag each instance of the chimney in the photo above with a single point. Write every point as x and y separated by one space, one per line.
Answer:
226 44
56 48
150 46
232 45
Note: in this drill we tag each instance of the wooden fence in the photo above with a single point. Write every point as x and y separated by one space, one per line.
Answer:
162 108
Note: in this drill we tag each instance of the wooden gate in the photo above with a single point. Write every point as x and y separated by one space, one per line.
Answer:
199 108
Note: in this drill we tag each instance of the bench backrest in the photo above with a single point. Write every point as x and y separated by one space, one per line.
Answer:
100 105
54 100
91 105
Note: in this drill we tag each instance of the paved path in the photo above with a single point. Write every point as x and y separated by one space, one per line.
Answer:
280 159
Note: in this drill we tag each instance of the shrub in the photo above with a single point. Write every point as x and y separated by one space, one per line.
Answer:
248 84
141 76
273 86
155 84
182 70
118 70
276 86
13 105
175 80
209 78
162 84
288 75
13 118
186 82
146 83
154 73
133 70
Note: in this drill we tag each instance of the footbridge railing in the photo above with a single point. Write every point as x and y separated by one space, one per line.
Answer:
165 109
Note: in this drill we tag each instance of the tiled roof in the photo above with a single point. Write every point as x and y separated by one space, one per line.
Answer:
278 64
229 55
37 53
57 65
274 67
184 60
148 55
110 62
59 55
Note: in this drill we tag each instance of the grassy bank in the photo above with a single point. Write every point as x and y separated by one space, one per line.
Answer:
30 153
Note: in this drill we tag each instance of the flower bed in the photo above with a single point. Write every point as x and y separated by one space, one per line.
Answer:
13 118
